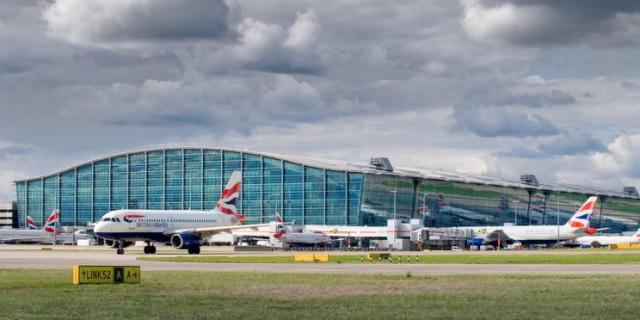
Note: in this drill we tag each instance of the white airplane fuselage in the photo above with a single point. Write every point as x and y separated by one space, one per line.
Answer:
304 238
157 225
532 234
17 235
607 240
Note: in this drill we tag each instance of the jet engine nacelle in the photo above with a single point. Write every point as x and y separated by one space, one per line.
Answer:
185 241
114 243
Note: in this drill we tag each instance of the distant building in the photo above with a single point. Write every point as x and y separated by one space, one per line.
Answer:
307 190
8 215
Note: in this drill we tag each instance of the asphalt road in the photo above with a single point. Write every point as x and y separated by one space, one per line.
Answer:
66 259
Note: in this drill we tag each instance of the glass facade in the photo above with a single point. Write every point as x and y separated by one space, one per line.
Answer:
193 178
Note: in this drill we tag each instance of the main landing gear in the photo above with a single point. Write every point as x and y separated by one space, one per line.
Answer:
195 250
149 248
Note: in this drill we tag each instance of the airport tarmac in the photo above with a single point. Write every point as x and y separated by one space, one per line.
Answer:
10 259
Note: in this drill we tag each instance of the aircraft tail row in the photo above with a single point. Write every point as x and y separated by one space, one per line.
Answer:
50 226
580 220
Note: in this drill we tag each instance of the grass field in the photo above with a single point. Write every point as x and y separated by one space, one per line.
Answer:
47 294
589 258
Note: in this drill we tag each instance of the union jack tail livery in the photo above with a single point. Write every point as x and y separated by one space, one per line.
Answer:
281 228
31 224
637 235
229 197
580 219
52 222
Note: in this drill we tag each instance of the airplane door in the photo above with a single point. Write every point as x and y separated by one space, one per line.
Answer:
132 225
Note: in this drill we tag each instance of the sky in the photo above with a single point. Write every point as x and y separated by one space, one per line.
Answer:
486 87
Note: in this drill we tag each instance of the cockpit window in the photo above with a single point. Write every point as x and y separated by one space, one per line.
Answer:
116 219
106 219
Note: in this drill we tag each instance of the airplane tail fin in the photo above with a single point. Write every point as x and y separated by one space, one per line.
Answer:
31 224
580 219
52 222
281 228
229 197
637 235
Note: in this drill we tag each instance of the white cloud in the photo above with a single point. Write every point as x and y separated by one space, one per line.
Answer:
135 23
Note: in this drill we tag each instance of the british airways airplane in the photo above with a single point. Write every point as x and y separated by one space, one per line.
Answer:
31 234
184 229
577 226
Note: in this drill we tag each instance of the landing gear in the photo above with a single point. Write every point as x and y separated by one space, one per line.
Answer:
195 250
120 251
149 248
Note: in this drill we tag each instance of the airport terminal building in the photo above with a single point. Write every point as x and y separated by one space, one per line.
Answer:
307 190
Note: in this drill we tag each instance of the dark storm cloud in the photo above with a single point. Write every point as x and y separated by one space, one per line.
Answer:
572 144
563 145
540 22
494 122
102 22
536 100
14 151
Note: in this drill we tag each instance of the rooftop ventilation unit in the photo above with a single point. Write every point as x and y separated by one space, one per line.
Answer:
631 191
381 164
529 179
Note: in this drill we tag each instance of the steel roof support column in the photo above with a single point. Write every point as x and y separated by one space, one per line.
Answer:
42 196
202 179
304 214
346 198
324 200
261 189
164 179
75 199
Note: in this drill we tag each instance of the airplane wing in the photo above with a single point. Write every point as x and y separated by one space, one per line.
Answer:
209 231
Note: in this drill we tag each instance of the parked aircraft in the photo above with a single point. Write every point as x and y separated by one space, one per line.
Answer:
290 238
184 229
44 235
577 226
604 240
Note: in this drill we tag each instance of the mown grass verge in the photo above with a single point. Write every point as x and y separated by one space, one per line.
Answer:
489 258
49 294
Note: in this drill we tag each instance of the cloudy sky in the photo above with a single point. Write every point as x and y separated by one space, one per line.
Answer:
491 87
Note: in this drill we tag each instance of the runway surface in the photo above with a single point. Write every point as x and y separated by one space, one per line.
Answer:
66 259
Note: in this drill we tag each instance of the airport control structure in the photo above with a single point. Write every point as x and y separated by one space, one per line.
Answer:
309 191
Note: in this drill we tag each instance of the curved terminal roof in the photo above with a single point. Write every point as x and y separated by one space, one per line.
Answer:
341 165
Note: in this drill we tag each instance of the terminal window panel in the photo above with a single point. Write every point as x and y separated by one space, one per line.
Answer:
101 188
84 196
174 181
293 192
212 178
21 190
50 194
137 181
155 180
354 191
68 197
336 198
271 188
193 176
34 207
314 195
252 188
119 183
378 195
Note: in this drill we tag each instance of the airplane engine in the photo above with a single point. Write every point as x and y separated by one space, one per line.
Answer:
114 243
185 241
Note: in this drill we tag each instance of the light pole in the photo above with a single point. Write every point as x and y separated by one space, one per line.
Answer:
394 203
515 212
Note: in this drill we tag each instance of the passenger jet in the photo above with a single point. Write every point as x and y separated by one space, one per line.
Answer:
184 229
46 234
603 240
577 226
305 238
